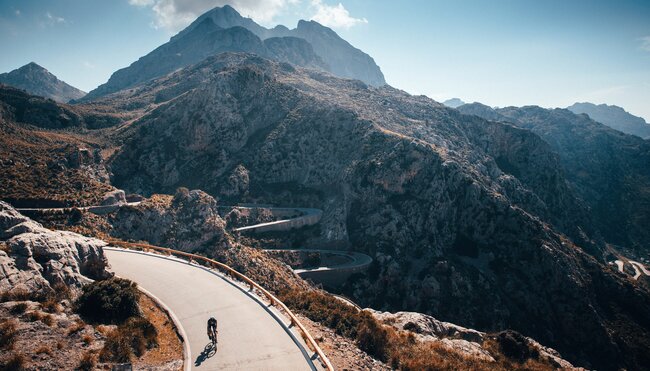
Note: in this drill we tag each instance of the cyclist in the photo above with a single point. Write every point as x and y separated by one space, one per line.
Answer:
212 330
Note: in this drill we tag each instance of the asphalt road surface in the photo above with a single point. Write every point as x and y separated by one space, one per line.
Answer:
250 337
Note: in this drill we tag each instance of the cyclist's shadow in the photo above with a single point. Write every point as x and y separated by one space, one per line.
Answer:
209 351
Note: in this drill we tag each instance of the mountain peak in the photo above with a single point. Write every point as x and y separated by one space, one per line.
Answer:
37 80
453 102
33 65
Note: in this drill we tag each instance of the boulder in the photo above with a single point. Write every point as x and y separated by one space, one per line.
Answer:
115 197
37 260
428 326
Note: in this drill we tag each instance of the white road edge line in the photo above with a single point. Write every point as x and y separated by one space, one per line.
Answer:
243 289
187 353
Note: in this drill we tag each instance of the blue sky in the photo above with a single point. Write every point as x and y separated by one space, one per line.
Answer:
502 52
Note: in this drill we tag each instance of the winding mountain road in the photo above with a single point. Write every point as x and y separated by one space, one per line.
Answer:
252 335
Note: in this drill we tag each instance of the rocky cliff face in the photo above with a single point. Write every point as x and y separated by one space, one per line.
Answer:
607 169
223 29
37 260
469 220
188 221
343 59
36 80
615 117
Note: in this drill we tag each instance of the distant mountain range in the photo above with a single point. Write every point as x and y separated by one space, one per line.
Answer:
614 117
224 29
605 167
36 80
453 102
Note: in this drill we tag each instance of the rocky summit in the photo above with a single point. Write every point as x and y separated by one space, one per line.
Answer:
223 29
36 80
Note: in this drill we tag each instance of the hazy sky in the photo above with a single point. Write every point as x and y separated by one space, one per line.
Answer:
501 52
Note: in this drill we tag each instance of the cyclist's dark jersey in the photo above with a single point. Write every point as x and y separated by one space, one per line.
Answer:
212 325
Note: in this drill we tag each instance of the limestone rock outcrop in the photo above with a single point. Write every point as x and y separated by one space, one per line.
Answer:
37 260
188 221
469 341
115 197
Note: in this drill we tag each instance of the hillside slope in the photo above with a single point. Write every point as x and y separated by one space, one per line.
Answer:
467 219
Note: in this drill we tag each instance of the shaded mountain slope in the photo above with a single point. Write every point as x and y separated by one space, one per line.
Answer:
36 80
462 215
203 40
609 170
343 59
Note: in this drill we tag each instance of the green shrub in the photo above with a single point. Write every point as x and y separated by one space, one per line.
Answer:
110 301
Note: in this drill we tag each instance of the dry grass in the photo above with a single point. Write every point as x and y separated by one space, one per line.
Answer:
48 319
76 327
129 340
35 316
44 349
52 305
7 334
16 295
104 329
169 345
88 361
399 349
88 339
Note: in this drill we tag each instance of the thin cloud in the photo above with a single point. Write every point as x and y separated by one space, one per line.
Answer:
141 2
645 43
335 16
88 65
174 15
53 19
17 12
